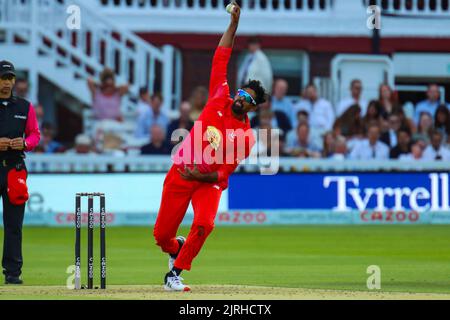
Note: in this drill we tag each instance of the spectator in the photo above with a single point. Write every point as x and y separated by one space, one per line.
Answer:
256 66
183 122
424 128
404 144
340 149
302 146
349 124
416 153
39 150
355 91
143 102
48 142
106 96
436 151
279 100
279 118
22 88
370 148
405 121
390 137
430 104
113 145
83 145
321 113
153 115
373 114
198 100
408 109
388 100
39 110
158 143
442 121
266 135
328 145
302 117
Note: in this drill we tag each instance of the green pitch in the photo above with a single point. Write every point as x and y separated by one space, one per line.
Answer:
413 259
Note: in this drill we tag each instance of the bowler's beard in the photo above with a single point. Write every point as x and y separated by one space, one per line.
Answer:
238 108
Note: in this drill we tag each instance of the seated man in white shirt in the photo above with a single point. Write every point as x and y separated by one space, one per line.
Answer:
370 148
436 150
321 113
355 91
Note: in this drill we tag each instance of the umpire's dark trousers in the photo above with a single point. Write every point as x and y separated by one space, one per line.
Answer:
12 225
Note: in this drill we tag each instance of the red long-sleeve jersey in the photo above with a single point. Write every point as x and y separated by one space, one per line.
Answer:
218 141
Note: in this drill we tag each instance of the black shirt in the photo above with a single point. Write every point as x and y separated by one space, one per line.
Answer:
13 120
150 149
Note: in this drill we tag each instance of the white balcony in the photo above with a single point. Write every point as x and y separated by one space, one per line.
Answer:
427 18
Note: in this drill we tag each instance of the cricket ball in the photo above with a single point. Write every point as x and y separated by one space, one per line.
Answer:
230 8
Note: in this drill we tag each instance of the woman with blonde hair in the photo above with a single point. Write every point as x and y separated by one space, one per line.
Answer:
106 96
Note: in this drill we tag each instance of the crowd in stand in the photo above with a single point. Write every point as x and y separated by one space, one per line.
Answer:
380 129
311 128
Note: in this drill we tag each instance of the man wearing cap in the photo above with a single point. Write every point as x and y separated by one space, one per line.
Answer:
19 133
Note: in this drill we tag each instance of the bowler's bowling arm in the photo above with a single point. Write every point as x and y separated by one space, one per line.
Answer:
227 39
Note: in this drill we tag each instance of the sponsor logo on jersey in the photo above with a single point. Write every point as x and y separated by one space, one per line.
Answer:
213 136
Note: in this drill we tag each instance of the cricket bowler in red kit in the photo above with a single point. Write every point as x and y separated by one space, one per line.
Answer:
219 140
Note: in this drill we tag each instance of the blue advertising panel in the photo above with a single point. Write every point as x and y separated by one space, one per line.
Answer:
341 192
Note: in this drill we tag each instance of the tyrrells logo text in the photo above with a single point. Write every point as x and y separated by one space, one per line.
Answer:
430 197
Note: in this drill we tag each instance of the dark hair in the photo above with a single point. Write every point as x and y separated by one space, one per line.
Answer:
377 105
47 126
373 125
142 91
446 125
352 83
405 130
303 112
311 85
157 95
435 132
18 80
254 40
260 92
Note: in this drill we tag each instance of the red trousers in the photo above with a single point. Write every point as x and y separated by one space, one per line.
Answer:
176 196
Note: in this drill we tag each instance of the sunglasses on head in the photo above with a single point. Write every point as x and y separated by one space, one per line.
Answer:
247 96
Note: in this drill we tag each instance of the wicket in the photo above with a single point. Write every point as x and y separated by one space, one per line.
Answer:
90 241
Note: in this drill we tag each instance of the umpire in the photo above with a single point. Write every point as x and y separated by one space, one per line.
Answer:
19 132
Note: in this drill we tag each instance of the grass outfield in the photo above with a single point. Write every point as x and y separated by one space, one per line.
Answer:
299 262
